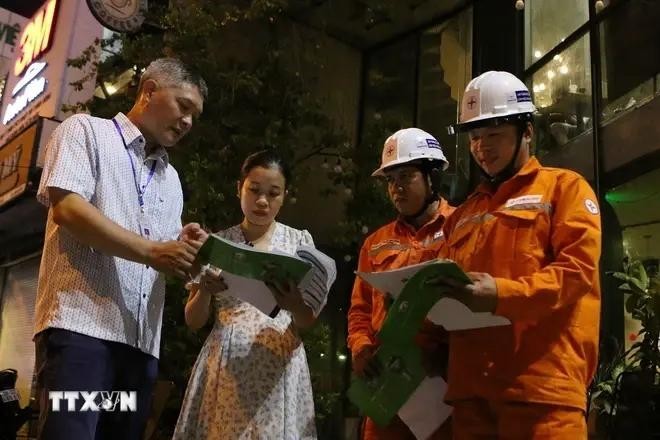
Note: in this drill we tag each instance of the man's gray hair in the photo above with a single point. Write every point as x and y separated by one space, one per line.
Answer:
172 72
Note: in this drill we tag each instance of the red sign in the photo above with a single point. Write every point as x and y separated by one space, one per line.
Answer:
36 37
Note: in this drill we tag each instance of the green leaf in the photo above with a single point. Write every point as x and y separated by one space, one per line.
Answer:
638 273
606 387
625 287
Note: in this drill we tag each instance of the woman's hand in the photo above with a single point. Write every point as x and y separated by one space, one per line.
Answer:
286 293
211 280
289 298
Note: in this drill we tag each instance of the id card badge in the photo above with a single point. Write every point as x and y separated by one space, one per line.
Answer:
145 227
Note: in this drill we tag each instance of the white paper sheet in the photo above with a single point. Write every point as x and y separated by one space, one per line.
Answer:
425 411
447 312
252 291
392 281
454 315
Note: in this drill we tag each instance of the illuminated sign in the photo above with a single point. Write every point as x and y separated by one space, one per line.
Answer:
29 88
15 161
35 41
36 37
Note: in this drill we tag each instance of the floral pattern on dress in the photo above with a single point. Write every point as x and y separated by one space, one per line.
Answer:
251 379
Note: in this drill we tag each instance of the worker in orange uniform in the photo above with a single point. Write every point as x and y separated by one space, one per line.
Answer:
412 162
530 238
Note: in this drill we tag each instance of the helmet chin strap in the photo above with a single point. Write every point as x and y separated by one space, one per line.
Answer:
433 197
428 202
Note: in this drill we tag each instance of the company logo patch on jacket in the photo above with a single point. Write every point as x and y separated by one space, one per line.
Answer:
432 239
524 200
528 203
591 206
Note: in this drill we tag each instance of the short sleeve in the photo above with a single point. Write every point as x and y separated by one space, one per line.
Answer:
306 239
71 160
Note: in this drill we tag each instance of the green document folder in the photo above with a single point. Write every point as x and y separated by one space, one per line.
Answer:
407 313
401 373
400 359
248 262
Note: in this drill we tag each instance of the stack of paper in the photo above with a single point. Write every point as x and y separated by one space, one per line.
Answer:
244 270
321 277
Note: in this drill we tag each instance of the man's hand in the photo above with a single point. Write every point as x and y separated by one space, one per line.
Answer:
193 233
172 257
365 364
479 296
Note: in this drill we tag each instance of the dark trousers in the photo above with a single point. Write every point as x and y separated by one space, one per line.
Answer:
70 361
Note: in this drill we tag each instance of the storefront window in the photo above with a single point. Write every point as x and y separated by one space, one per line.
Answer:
17 301
637 207
562 93
549 22
445 68
630 57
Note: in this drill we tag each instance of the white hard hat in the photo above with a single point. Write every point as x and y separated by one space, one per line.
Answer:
495 95
408 145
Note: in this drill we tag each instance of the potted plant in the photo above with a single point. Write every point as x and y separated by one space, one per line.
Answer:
627 393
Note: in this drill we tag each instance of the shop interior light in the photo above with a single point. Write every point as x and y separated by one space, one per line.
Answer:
551 74
537 54
563 69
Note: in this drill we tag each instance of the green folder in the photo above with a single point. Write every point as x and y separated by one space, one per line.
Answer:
407 313
400 359
248 262
381 397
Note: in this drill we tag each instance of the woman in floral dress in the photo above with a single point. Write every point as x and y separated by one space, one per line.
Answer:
251 379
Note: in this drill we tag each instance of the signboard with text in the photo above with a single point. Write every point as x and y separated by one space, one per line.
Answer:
16 159
11 26
39 80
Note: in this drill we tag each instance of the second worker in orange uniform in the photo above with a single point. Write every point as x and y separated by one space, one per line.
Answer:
530 239
412 161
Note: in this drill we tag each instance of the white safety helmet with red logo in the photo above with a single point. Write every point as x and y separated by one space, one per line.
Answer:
493 98
409 145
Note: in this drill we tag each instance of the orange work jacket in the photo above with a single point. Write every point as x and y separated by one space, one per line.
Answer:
539 236
392 246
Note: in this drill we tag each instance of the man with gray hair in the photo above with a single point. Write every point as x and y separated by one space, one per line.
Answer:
113 229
